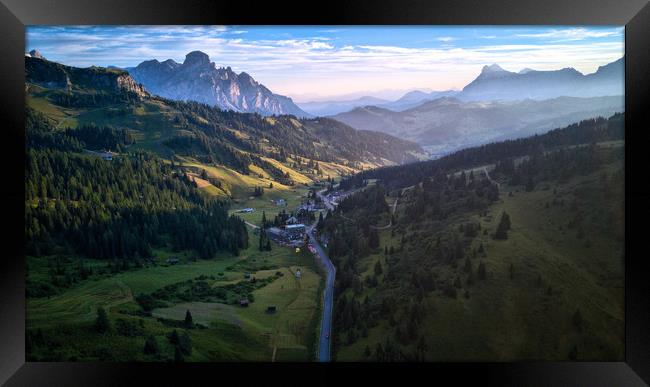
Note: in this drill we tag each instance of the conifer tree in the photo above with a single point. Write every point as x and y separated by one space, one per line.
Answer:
102 324
188 319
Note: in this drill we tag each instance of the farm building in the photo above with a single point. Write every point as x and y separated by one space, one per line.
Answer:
275 234
243 302
290 235
295 231
271 309
172 261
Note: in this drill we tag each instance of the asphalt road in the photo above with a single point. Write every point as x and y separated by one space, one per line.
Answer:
324 345
328 300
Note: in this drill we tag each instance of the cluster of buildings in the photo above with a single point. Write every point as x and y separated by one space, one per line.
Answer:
311 207
288 235
334 197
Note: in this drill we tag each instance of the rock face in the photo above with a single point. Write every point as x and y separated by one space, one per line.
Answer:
198 79
125 82
495 83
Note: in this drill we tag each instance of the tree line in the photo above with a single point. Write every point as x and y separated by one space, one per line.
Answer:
119 209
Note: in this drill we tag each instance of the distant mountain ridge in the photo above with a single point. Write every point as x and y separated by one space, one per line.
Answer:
198 79
415 98
408 100
495 83
327 108
449 123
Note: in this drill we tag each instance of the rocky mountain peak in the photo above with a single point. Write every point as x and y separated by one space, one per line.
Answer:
196 58
36 54
493 68
171 63
198 79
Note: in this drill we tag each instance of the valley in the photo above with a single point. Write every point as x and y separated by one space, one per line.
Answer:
184 212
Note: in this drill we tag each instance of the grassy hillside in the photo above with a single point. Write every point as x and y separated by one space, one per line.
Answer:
555 273
453 281
73 96
62 328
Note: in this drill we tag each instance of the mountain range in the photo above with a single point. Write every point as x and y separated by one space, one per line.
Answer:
198 79
498 104
495 83
102 97
408 100
448 123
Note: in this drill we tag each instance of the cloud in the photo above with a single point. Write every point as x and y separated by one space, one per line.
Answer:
294 63
579 33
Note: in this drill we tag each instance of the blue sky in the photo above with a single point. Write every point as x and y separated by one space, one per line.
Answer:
321 62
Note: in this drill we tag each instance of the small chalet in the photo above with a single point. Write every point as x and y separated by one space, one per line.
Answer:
243 302
271 309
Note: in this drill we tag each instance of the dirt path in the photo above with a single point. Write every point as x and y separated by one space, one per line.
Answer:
251 225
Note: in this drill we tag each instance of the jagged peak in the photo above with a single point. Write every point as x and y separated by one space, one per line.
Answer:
492 68
171 62
147 63
196 57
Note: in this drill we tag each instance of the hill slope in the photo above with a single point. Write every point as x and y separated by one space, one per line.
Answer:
72 97
507 252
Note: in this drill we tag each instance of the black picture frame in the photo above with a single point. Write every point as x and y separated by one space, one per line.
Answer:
634 14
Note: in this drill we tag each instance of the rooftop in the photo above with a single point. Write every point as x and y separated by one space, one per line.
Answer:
295 225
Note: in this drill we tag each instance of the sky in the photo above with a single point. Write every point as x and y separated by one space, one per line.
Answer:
341 62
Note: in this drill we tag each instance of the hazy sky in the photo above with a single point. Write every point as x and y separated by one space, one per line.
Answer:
309 63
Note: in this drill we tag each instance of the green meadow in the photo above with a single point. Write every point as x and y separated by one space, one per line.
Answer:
64 324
